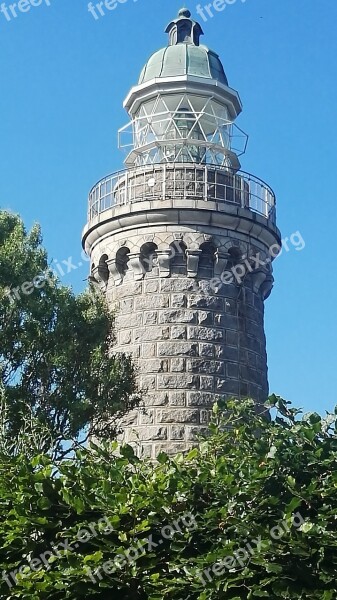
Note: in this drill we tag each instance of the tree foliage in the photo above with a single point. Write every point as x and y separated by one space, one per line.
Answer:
57 371
252 474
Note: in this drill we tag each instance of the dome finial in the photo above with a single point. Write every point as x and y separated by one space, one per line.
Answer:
184 12
183 30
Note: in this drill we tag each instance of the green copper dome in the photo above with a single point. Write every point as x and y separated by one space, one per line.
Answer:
184 55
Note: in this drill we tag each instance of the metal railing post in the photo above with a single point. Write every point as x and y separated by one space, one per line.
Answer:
259 199
126 197
164 183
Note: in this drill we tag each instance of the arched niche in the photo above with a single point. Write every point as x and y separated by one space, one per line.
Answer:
122 260
178 261
206 260
148 257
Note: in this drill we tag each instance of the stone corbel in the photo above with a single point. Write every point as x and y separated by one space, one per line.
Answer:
221 262
115 273
98 277
94 282
259 277
136 266
193 257
267 286
164 259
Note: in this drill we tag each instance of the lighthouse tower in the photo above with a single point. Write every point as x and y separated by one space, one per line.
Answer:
182 241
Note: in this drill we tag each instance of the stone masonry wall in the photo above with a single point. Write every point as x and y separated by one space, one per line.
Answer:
191 346
192 341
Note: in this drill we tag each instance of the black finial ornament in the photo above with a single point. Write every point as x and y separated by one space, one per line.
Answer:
184 30
184 12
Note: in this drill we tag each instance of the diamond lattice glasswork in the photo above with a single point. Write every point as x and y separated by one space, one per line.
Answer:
185 129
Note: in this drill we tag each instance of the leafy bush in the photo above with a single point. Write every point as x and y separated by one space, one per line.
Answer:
250 513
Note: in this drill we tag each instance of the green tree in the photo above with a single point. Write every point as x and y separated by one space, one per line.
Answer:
57 371
250 513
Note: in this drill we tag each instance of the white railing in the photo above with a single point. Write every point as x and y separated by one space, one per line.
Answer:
190 181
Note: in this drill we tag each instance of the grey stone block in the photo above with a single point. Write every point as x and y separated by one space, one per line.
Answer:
145 451
132 288
151 302
148 434
204 333
232 338
177 432
178 332
178 381
194 434
175 415
125 337
155 365
148 383
149 334
226 353
170 448
126 305
205 301
227 386
178 316
205 417
178 301
206 350
147 417
205 318
201 399
148 350
151 287
251 359
244 389
130 320
156 399
177 349
232 370
177 398
133 350
206 383
207 367
179 285
132 418
178 365
150 318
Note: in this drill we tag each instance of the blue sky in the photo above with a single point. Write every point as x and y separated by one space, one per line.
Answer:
64 76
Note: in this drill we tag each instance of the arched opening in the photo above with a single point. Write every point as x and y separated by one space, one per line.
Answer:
122 259
148 257
206 260
179 259
103 271
235 254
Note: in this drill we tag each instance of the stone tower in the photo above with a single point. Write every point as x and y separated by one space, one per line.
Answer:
182 242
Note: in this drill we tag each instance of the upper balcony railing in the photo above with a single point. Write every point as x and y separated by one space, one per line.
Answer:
183 181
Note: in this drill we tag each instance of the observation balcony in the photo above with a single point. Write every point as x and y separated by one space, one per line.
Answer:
160 182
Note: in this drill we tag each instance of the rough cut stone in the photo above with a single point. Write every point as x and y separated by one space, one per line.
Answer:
177 349
167 415
149 302
192 344
178 381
